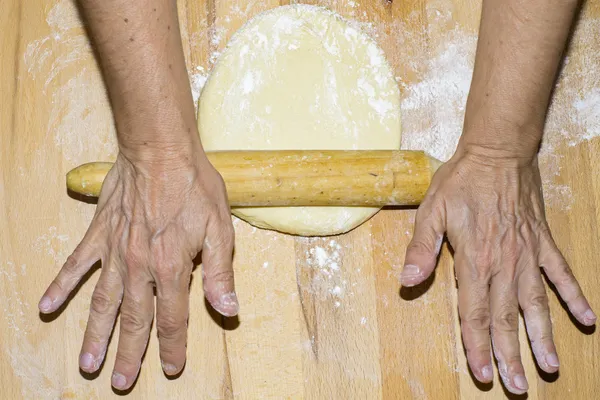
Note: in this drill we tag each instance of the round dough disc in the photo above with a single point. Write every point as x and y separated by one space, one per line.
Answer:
301 78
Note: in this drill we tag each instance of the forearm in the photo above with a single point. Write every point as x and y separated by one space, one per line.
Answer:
141 55
518 53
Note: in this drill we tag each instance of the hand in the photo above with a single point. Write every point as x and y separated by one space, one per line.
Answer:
151 221
492 211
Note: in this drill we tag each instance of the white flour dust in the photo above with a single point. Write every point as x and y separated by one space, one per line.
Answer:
80 122
197 81
574 115
53 244
65 44
433 108
327 281
15 309
41 377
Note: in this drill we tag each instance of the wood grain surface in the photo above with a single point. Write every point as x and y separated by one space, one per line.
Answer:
321 318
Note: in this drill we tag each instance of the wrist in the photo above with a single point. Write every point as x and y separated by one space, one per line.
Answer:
163 153
510 147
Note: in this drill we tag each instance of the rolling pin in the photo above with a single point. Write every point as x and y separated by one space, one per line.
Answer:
304 177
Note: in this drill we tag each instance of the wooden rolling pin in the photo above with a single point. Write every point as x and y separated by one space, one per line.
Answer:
304 178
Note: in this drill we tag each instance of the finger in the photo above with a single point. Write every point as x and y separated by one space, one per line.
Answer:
217 264
505 333
474 311
560 274
78 264
104 306
172 315
137 313
424 248
534 303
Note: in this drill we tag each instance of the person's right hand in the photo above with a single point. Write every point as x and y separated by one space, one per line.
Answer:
152 219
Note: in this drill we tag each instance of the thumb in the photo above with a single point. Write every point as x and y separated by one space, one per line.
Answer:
217 267
424 247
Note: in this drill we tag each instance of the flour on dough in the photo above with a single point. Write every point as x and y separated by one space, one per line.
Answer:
300 77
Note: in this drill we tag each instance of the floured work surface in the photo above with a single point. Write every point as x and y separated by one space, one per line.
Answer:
321 318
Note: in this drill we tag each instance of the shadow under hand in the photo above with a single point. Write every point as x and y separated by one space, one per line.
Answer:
413 293
587 330
512 396
227 323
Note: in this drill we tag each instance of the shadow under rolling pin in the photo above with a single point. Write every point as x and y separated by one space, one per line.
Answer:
304 177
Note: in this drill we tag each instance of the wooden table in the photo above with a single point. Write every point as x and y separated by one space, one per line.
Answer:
297 336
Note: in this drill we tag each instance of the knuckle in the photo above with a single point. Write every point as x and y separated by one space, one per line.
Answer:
224 236
545 338
477 352
537 302
171 328
477 319
420 247
71 265
101 302
93 337
166 272
506 322
133 258
219 275
565 276
575 298
93 334
128 361
484 260
60 284
514 362
133 323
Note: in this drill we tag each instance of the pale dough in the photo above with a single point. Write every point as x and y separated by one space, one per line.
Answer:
301 78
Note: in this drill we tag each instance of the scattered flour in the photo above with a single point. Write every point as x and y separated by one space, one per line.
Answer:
587 116
80 121
14 307
434 82
433 108
53 244
40 377
327 281
65 44
197 81
574 115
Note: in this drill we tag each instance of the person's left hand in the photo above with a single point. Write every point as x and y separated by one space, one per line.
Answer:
492 210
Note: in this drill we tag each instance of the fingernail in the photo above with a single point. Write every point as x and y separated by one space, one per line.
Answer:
589 317
520 382
118 380
487 372
228 304
169 368
409 272
45 304
86 361
552 359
